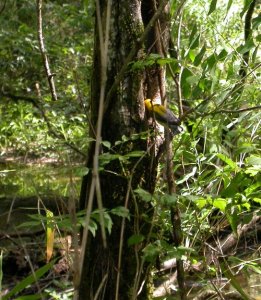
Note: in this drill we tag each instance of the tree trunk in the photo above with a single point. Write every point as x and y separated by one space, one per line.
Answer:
124 115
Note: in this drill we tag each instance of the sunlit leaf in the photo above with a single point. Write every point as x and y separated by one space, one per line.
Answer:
246 6
201 202
227 160
254 160
49 235
229 3
220 204
257 200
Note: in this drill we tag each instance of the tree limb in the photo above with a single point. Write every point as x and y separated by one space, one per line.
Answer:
49 74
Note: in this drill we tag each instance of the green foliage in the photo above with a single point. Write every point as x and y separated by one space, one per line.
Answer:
216 160
22 125
65 222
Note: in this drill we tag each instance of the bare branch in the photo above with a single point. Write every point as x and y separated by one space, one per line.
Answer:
49 74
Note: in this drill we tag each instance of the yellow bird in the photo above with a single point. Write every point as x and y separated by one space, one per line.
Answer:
164 116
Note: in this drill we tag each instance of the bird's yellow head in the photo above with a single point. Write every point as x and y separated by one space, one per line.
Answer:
148 104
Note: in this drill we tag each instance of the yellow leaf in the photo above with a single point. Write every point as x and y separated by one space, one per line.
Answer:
49 235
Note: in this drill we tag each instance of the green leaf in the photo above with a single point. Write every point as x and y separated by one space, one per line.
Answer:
228 161
254 160
252 171
135 154
257 200
121 211
186 89
201 202
222 55
220 203
106 217
194 43
247 46
193 79
29 224
92 227
212 7
258 38
183 249
135 239
229 5
247 3
106 144
81 171
151 252
256 22
106 158
169 200
233 218
144 195
226 271
211 60
192 36
200 55
255 267
29 280
252 188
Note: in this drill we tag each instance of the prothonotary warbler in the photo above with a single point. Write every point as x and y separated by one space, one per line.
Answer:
164 116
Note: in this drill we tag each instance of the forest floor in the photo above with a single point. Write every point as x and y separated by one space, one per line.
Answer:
30 189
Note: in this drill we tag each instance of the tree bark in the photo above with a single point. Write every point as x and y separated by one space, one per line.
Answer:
124 115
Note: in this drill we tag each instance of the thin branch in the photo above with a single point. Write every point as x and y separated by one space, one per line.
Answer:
231 111
49 74
95 183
